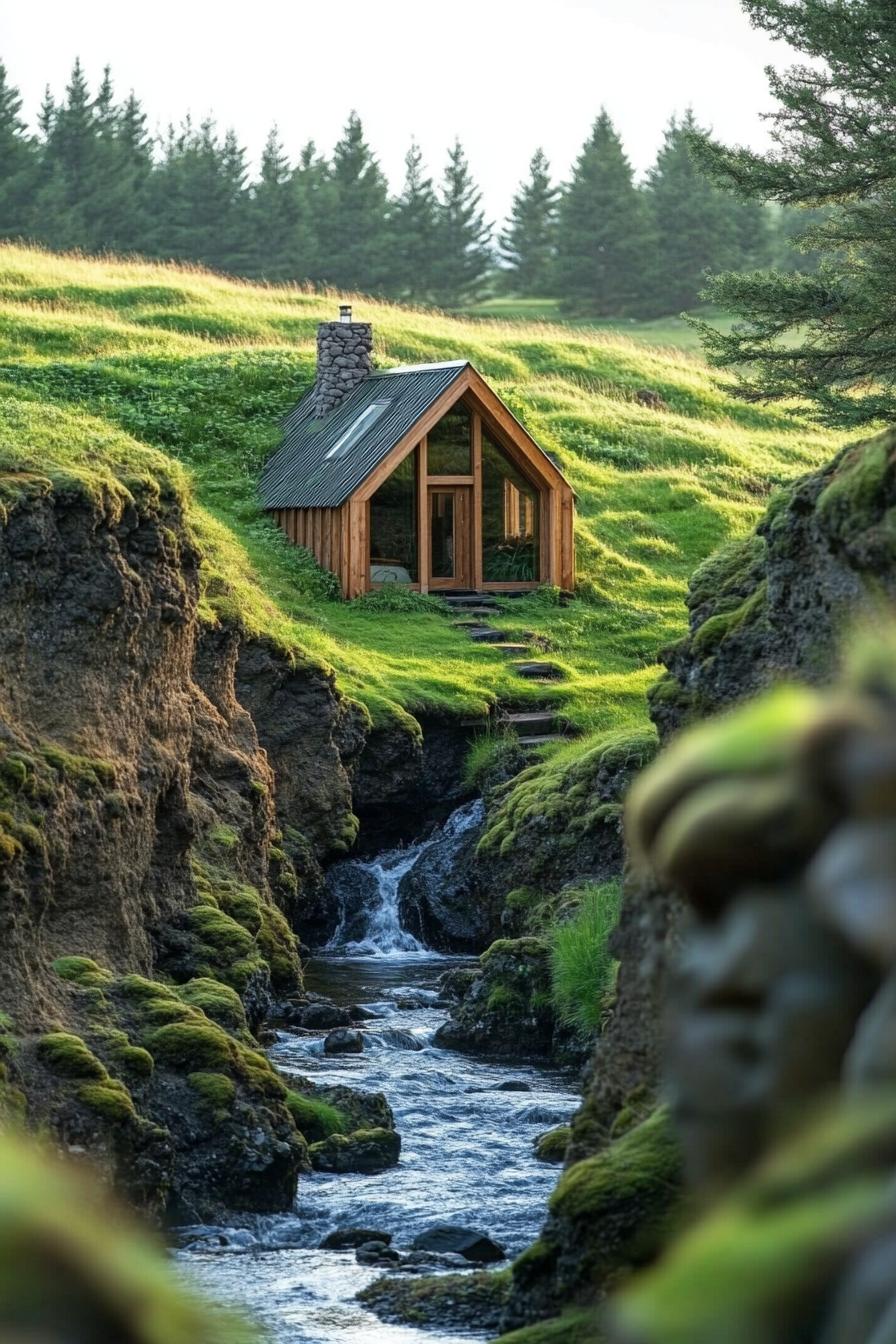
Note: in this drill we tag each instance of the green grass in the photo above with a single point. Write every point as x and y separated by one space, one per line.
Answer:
582 966
671 330
136 379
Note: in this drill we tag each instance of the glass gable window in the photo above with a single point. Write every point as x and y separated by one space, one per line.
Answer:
510 520
393 526
448 450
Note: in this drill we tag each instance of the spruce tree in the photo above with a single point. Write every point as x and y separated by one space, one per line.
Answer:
18 163
693 221
414 230
828 336
463 256
70 165
312 183
604 240
200 198
354 241
528 242
275 215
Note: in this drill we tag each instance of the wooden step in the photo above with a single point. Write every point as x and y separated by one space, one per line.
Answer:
536 671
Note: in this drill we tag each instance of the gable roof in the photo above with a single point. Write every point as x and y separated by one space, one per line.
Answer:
321 463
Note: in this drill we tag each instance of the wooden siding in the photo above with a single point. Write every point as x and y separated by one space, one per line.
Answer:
324 532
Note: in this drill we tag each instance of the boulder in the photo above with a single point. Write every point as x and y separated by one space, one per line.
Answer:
365 1151
466 1241
322 1017
401 1040
439 897
350 1238
376 1253
343 1041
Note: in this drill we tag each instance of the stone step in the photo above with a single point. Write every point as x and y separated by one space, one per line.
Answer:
511 650
540 741
470 603
485 634
471 614
537 671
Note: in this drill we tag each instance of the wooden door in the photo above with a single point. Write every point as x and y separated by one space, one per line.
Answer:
450 557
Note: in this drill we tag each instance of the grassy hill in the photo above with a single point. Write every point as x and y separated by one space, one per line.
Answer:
114 370
671 330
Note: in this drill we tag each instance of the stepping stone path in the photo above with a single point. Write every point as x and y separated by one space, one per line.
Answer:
533 727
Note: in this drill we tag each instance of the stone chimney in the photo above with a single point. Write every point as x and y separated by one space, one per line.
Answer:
343 358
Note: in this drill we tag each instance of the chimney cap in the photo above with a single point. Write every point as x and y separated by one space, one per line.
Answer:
345 312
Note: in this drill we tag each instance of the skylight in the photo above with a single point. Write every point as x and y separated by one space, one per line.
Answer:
357 428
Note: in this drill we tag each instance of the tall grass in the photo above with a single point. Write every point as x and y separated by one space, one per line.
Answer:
582 967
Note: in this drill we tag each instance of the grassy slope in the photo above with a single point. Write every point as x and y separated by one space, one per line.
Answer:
671 330
103 365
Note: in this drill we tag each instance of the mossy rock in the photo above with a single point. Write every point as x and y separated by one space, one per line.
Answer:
67 1056
82 971
191 1046
580 1326
552 1146
258 1073
109 1099
315 1120
761 1264
218 1001
365 1150
475 1299
138 987
133 1059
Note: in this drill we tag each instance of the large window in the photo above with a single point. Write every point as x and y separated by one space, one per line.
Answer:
448 450
393 526
510 520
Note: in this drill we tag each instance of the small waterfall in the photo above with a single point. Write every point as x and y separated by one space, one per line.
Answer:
368 893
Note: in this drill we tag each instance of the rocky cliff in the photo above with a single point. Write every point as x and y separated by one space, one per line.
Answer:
168 790
773 606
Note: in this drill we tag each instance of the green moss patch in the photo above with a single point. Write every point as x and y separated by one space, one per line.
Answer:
67 1056
552 1146
191 1047
219 1002
315 1120
216 1090
110 1099
82 971
573 1327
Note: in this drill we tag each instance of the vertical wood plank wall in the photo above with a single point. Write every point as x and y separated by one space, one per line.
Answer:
325 533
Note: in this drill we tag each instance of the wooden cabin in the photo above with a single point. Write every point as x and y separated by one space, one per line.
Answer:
417 475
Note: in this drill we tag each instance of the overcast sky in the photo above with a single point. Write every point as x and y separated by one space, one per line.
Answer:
504 75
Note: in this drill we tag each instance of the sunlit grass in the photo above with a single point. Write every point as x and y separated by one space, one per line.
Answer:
147 376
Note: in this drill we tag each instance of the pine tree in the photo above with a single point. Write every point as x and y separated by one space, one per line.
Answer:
604 240
528 243
18 163
414 226
312 183
463 256
829 336
200 198
276 216
694 223
69 163
354 243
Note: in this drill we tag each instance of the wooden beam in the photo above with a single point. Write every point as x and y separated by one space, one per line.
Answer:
477 499
422 518
439 482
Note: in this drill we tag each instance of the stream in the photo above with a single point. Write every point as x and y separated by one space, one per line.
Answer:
467 1146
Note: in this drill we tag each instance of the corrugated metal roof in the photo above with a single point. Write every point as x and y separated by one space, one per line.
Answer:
301 475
